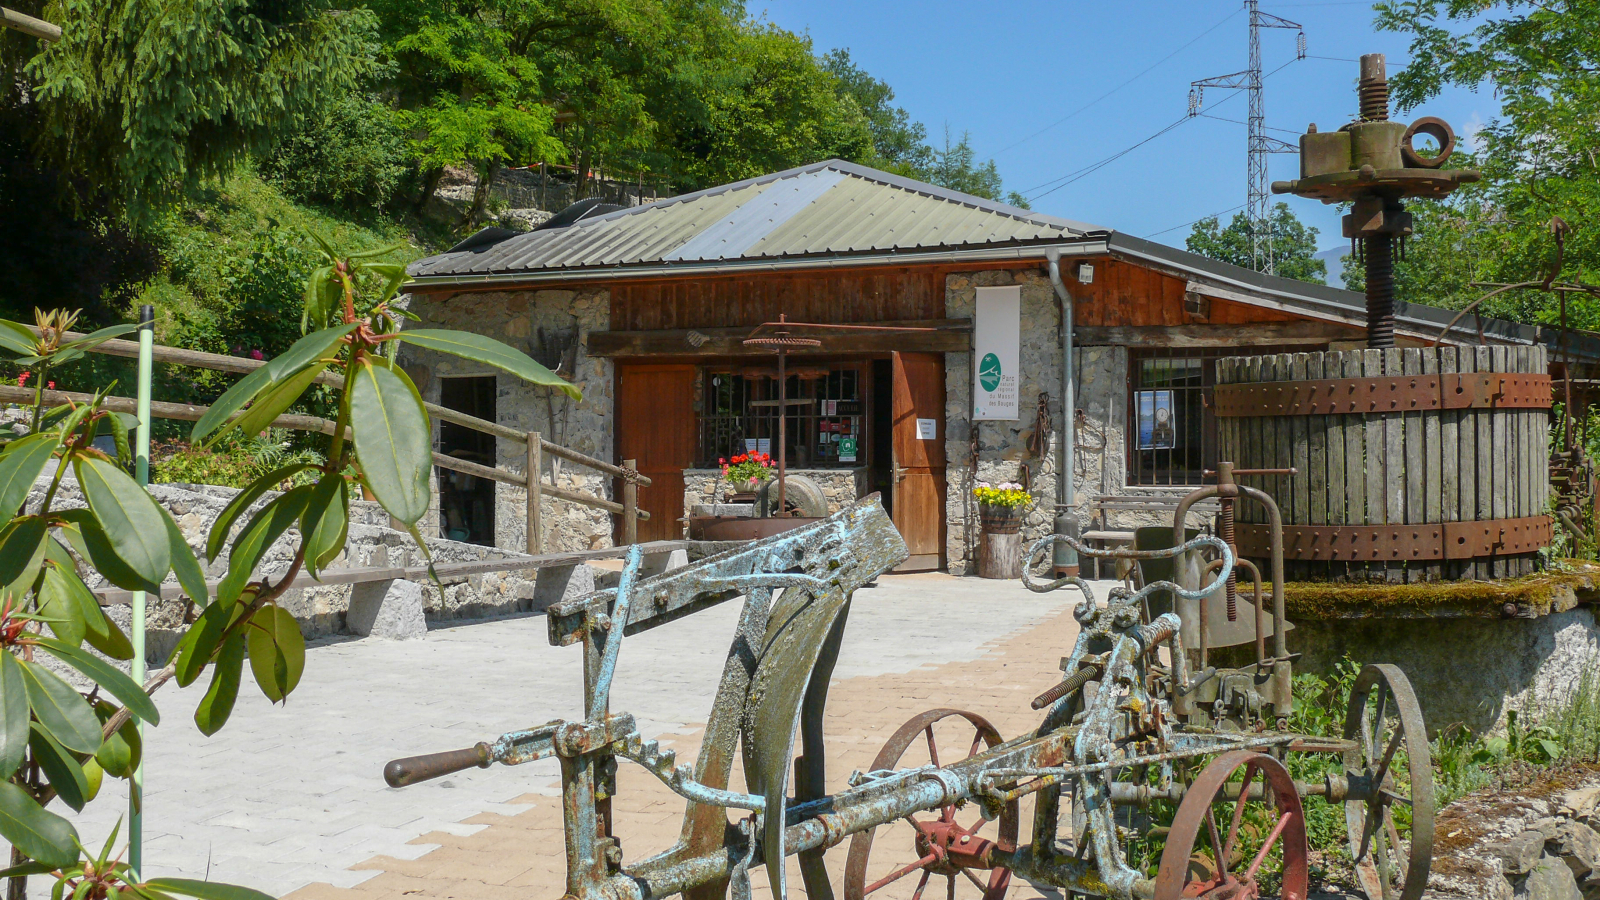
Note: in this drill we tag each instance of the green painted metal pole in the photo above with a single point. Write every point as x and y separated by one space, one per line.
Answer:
141 471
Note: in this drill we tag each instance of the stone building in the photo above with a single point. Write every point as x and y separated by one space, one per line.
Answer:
646 309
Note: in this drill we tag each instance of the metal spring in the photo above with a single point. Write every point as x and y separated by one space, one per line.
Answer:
1374 101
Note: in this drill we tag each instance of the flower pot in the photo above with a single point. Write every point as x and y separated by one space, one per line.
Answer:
748 486
1000 542
1000 519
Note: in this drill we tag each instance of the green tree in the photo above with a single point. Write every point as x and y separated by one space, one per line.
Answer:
353 157
1294 244
775 108
141 99
1540 158
956 167
469 87
899 144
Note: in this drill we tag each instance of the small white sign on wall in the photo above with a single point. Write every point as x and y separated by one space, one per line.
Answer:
927 429
996 342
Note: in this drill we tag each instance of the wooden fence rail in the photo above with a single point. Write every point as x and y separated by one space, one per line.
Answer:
1414 464
531 480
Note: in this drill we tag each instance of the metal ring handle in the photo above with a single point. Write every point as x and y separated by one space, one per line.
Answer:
1436 128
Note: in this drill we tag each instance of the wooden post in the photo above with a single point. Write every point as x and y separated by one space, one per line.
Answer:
630 504
535 494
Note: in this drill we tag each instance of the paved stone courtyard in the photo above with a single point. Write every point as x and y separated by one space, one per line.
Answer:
290 799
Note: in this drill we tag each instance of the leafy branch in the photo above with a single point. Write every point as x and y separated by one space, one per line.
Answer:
57 742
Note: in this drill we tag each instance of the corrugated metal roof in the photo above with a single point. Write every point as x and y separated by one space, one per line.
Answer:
829 208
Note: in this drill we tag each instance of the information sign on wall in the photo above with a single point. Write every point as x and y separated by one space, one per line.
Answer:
996 337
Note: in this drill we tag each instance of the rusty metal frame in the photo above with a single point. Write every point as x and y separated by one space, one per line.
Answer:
1384 394
796 590
1394 543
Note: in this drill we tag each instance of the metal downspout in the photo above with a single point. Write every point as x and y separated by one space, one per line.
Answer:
1065 558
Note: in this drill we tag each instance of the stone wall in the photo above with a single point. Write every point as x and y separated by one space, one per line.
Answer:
517 318
1003 454
1466 671
319 610
1002 447
841 487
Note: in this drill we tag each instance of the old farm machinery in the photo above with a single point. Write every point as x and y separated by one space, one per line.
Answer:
1140 722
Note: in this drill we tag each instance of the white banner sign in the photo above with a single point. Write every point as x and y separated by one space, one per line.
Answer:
997 335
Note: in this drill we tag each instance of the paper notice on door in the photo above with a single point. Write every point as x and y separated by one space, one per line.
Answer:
927 429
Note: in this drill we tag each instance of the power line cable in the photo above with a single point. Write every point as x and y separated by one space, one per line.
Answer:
1239 122
1215 215
1092 168
1119 87
1115 156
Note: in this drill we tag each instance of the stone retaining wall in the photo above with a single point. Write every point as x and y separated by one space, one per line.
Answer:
841 487
532 321
320 610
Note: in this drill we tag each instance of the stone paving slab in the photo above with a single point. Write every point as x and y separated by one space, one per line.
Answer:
291 798
869 700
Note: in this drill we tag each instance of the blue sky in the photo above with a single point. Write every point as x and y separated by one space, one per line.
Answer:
1006 71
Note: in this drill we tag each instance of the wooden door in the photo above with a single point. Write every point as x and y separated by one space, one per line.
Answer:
655 424
918 447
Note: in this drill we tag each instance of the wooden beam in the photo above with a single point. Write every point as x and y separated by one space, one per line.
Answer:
114 596
948 336
1242 336
39 28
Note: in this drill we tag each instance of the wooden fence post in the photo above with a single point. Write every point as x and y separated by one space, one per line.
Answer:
535 494
630 503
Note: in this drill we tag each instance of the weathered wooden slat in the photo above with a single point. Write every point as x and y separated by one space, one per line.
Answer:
1414 459
1254 448
1432 457
1394 474
1449 461
1497 435
1299 442
1317 454
1529 455
1484 462
942 336
1333 367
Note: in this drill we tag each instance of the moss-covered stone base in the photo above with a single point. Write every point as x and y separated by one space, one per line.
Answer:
1543 594
1466 670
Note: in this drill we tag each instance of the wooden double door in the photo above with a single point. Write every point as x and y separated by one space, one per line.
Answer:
656 425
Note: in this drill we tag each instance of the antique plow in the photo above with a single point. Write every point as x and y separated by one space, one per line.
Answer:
1114 741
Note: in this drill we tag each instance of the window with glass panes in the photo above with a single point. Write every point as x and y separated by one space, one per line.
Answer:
1172 434
1172 438
826 410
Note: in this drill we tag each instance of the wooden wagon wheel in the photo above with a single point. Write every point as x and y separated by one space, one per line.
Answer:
1265 815
940 846
1391 756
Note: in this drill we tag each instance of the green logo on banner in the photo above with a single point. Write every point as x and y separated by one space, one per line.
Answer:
847 449
989 372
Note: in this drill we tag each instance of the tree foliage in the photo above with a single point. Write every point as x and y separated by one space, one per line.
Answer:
1540 158
1294 244
899 143
142 98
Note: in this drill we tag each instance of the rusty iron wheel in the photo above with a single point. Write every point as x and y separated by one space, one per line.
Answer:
1391 753
1274 813
939 846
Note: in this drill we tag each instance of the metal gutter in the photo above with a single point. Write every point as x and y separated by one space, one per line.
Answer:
1306 303
1064 558
1092 246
